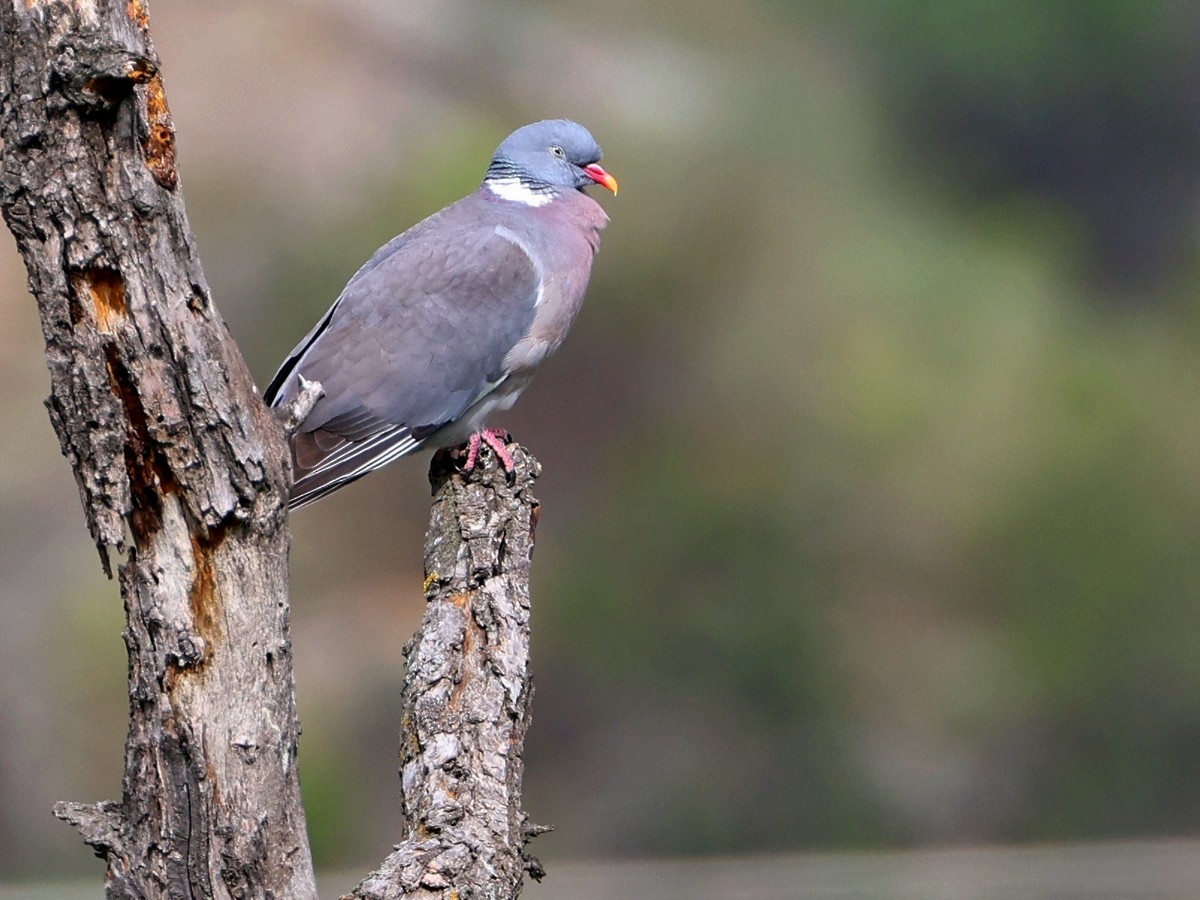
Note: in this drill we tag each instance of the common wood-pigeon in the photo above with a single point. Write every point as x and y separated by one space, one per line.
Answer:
447 323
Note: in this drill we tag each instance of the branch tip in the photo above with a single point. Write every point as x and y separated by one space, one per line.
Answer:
99 824
293 413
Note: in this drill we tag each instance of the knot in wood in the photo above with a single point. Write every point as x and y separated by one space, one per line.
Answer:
94 73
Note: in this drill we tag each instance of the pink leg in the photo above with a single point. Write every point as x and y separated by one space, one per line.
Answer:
494 438
472 451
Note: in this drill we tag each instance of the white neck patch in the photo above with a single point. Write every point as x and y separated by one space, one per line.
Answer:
516 191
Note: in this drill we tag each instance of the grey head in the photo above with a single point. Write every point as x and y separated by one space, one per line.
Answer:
549 157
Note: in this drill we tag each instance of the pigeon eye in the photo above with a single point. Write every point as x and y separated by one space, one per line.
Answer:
555 150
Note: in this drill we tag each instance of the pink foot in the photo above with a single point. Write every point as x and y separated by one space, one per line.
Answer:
496 439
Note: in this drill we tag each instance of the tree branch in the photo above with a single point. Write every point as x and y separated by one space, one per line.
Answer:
297 409
467 695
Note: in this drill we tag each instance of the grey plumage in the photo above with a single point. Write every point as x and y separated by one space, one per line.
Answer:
446 323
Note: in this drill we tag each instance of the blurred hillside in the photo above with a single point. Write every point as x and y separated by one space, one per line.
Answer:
871 492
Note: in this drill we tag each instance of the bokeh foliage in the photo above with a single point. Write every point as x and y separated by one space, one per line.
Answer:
872 492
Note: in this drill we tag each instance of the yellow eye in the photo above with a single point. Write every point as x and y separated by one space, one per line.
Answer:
557 151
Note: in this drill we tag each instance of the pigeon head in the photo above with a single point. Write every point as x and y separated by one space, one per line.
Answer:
536 163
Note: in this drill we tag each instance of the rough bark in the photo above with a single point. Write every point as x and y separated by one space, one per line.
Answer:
467 691
180 468
183 472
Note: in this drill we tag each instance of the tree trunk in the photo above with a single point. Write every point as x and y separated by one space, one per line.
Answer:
465 705
179 465
183 471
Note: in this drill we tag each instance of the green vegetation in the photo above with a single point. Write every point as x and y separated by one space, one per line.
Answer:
872 491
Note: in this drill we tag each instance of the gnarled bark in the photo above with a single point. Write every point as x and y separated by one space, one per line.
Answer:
179 466
183 472
466 696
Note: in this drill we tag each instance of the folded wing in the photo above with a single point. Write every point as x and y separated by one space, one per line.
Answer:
418 336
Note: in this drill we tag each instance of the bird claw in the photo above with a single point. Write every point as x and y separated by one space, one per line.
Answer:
497 439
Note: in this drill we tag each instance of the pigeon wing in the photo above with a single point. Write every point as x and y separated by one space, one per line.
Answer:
416 338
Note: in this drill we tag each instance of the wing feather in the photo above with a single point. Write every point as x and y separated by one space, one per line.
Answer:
416 338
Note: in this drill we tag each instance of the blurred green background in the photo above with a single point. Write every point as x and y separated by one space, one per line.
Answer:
872 481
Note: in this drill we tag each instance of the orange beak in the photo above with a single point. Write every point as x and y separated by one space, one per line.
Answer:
601 177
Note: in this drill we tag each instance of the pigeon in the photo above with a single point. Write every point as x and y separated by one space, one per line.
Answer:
447 322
